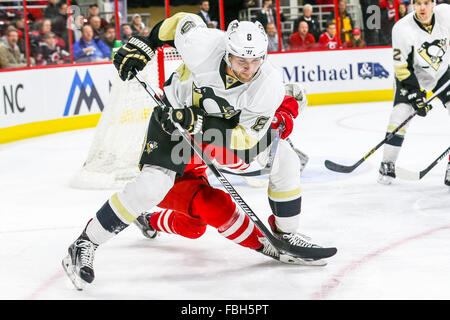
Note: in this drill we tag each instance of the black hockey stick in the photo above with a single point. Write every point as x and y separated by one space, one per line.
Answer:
347 169
283 248
411 175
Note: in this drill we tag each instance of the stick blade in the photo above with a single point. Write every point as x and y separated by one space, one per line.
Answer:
338 167
406 174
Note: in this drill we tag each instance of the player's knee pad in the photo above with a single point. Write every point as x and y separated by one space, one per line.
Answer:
213 205
285 174
284 190
146 190
399 114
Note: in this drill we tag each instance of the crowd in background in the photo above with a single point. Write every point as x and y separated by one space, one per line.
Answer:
92 36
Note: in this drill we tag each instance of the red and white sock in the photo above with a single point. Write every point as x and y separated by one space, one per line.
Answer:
175 222
241 230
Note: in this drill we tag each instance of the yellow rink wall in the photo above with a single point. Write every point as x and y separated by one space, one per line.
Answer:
43 101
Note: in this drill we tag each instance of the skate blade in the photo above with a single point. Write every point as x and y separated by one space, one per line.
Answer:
79 283
303 262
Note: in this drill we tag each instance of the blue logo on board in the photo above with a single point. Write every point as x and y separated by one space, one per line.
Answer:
369 70
83 95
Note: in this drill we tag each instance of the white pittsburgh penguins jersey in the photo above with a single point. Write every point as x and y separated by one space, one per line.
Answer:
200 81
423 51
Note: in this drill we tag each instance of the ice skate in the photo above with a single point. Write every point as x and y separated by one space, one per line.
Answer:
447 175
78 264
295 239
387 173
143 223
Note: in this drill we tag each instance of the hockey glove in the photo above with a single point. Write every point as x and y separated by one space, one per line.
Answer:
190 118
283 120
418 98
133 56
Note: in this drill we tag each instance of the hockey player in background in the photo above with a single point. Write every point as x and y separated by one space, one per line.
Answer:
226 94
420 43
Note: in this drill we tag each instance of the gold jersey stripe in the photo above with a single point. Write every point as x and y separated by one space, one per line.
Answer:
284 194
122 210
184 72
241 140
402 72
169 26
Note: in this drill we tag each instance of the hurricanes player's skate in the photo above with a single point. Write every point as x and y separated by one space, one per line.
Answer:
420 43
225 74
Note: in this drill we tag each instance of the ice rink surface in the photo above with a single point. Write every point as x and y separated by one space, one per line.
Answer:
393 241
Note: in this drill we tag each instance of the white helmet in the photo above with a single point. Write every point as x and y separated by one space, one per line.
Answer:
246 39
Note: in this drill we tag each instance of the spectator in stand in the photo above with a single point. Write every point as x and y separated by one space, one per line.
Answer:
45 26
329 39
356 40
302 39
267 14
126 31
10 55
49 52
19 24
204 14
313 23
345 22
52 9
78 23
136 24
109 36
272 37
59 21
387 19
402 10
94 12
87 49
96 23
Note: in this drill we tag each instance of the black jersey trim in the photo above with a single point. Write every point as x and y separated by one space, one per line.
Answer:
225 77
421 25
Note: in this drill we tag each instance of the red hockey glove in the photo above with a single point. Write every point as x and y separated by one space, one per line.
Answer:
286 112
289 105
284 121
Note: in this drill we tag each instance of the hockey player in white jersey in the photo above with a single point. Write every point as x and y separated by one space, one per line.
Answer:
420 43
225 85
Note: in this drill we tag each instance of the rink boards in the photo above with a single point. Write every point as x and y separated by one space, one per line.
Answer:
41 101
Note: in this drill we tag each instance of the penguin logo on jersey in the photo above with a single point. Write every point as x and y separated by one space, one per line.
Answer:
150 146
433 52
204 97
